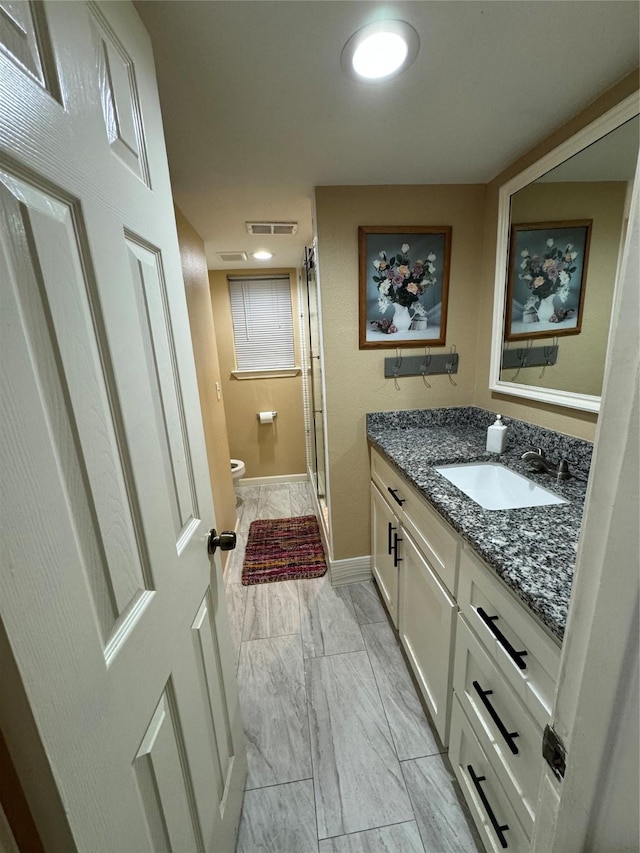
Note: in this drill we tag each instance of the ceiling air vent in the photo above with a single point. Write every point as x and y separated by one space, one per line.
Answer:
230 257
262 228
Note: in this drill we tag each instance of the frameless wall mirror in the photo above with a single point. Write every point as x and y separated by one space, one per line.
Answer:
561 231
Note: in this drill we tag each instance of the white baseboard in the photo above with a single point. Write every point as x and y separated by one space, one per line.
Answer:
267 481
355 570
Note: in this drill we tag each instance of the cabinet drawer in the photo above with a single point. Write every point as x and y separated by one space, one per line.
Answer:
509 736
427 629
490 807
507 629
388 480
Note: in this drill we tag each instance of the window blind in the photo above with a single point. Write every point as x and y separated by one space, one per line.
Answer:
262 323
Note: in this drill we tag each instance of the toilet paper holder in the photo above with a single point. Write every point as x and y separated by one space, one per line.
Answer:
261 415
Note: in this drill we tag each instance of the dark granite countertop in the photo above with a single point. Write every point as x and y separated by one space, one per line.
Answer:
533 550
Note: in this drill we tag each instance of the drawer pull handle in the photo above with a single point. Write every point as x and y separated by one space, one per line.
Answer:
500 637
508 736
393 494
390 530
499 830
396 559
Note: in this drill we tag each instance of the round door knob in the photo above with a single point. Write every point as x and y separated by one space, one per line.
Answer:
226 541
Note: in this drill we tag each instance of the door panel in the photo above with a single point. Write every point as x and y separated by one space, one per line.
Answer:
119 97
207 650
46 274
24 37
162 783
115 616
149 286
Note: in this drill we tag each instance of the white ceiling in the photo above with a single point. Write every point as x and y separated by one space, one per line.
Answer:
257 110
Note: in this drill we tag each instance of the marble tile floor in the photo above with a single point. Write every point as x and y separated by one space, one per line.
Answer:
341 756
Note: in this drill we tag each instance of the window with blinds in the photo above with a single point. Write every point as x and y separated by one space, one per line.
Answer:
262 323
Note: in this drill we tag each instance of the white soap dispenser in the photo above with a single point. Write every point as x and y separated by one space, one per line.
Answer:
497 436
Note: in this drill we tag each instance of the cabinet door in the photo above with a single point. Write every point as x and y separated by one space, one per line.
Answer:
385 529
427 625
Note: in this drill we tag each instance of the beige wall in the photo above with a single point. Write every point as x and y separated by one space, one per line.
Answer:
355 378
203 335
570 421
580 366
267 450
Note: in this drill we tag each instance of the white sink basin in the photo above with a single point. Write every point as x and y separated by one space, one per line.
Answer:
494 486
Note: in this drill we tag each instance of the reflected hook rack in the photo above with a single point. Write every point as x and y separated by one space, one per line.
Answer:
534 357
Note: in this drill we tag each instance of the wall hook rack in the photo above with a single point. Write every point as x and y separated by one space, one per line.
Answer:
421 365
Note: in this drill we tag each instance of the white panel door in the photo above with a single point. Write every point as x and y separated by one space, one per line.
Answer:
115 616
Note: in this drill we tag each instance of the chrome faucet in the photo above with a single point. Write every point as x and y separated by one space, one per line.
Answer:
537 461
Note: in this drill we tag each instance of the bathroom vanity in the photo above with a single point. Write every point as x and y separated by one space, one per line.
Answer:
479 598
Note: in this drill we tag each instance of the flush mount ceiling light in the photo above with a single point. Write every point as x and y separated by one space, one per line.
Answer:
380 51
262 255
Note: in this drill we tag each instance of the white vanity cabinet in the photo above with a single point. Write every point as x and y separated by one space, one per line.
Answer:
486 668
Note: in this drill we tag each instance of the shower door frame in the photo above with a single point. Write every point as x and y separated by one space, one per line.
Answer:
317 414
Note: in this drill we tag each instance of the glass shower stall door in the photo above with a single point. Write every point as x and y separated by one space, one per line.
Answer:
316 395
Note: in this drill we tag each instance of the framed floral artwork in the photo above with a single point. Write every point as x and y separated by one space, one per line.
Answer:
546 279
404 285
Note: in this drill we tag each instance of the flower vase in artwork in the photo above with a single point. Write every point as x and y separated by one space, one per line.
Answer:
401 318
548 274
545 309
401 282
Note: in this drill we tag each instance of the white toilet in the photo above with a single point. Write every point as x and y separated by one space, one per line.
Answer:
238 470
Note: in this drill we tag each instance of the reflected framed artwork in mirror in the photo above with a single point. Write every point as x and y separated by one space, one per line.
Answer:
546 282
586 182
